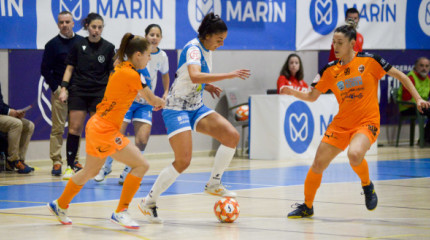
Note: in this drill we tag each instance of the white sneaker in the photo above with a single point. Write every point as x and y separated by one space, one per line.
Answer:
150 212
219 190
123 218
60 213
102 174
68 173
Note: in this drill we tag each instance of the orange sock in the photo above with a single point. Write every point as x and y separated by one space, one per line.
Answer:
362 171
312 183
130 187
69 193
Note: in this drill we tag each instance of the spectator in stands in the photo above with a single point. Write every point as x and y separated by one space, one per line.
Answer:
351 15
420 78
19 131
292 75
89 62
52 69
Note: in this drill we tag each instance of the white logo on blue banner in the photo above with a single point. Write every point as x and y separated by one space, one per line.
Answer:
78 8
323 15
44 102
424 16
197 10
299 126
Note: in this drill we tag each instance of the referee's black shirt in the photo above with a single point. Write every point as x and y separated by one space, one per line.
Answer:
92 64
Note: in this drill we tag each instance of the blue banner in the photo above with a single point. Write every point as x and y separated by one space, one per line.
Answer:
418 25
251 24
18 23
28 87
403 60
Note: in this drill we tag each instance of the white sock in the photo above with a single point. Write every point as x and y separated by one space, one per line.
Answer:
166 178
223 157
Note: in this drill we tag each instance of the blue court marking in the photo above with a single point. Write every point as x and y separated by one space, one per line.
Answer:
37 194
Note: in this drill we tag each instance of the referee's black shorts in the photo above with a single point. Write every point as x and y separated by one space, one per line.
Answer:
83 103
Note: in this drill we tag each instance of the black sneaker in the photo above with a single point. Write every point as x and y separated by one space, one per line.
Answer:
370 197
301 211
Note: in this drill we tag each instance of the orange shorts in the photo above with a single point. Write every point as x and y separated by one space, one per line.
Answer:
340 138
103 138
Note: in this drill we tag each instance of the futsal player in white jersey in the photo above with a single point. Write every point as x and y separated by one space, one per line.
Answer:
140 112
185 111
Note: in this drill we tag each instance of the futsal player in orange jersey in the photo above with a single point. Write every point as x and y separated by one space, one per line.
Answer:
103 137
354 81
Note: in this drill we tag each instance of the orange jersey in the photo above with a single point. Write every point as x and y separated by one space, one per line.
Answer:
124 83
355 86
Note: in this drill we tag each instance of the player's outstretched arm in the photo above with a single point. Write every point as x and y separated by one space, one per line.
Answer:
310 96
153 100
395 73
199 77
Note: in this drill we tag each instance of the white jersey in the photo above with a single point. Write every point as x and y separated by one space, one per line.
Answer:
158 63
184 94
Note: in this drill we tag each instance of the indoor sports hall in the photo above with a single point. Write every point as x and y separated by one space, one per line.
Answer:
279 133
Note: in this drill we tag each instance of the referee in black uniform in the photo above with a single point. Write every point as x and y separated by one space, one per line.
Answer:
90 62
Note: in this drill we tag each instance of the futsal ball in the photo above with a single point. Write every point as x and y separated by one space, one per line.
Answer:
226 210
242 113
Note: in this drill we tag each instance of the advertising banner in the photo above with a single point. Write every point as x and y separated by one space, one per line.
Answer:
403 60
382 23
18 23
30 24
287 128
418 25
28 87
251 24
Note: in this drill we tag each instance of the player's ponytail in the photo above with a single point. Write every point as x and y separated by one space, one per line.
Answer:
129 45
348 30
211 24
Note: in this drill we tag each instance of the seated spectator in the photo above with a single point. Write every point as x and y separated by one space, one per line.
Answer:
292 75
420 78
19 131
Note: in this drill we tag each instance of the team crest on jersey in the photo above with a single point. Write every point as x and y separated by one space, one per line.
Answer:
118 140
361 68
195 54
340 85
84 47
101 59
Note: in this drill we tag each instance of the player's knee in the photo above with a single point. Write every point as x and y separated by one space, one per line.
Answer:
354 157
182 164
231 138
141 145
318 166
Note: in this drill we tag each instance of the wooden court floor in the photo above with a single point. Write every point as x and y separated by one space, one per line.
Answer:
266 190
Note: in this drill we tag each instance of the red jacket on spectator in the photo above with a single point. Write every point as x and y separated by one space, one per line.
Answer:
299 85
